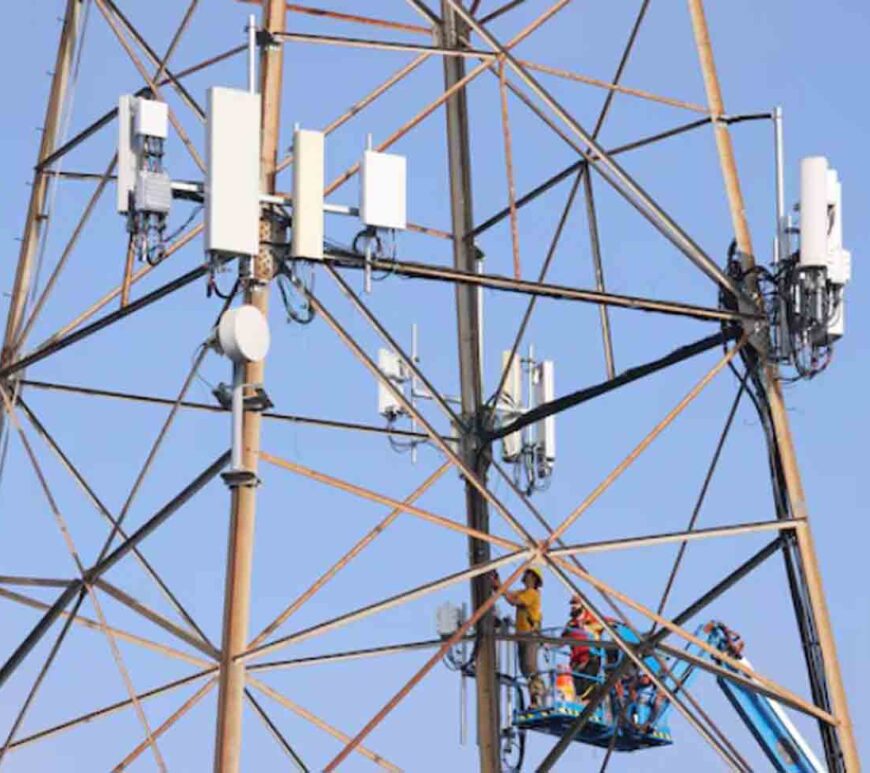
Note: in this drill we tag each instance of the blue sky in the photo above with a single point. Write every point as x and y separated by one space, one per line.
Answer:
795 55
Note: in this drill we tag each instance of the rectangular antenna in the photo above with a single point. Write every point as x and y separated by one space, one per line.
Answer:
392 367
839 259
308 184
510 403
382 190
232 190
126 153
150 118
545 392
814 212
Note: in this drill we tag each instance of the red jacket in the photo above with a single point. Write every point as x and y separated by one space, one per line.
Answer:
578 628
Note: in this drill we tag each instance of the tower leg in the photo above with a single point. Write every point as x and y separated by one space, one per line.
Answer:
39 191
846 756
473 453
240 551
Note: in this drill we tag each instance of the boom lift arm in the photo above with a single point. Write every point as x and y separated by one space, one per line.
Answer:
780 740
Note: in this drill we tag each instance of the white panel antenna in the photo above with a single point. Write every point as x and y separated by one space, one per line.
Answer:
151 119
839 259
837 320
383 181
127 156
308 184
448 618
393 368
814 212
232 190
511 404
546 428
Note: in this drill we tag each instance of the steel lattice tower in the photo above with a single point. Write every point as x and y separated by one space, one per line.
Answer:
464 47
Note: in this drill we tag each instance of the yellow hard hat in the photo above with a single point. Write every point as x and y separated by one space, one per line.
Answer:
538 573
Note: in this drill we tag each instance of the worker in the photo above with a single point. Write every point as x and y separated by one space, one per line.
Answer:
644 700
528 623
585 664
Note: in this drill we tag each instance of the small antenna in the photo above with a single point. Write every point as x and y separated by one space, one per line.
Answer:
252 53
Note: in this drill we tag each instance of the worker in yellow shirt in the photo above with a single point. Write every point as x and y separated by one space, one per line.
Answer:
528 604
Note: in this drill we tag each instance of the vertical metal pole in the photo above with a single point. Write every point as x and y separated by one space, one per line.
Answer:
453 35
252 53
779 418
781 225
782 247
238 416
244 498
480 318
39 192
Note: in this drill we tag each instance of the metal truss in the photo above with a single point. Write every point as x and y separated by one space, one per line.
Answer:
461 36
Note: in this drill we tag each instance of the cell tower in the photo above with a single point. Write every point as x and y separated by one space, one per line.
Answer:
294 274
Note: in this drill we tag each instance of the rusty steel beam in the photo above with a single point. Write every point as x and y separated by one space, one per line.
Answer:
597 263
436 273
411 509
627 543
383 45
212 408
360 654
614 87
356 19
509 170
